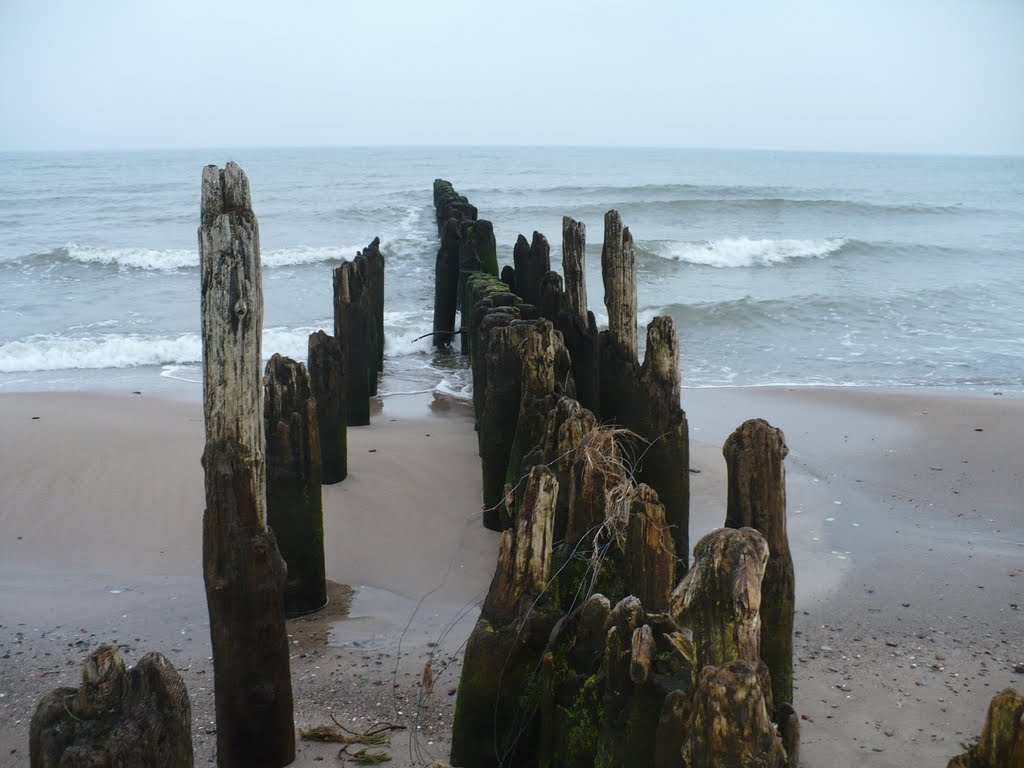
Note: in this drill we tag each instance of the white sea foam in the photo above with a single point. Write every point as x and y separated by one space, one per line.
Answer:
133 258
55 352
172 259
744 252
46 352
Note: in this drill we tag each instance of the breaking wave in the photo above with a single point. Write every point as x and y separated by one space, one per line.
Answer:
744 252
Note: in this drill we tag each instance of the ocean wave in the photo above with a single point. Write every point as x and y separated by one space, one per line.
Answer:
54 352
173 259
50 352
742 251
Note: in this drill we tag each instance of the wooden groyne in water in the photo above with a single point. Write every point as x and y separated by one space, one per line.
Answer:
597 642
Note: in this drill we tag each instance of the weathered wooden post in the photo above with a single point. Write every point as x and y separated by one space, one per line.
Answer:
575 321
294 509
242 568
141 715
375 295
327 382
352 322
618 360
754 456
719 602
446 283
666 464
574 246
532 261
1002 736
495 720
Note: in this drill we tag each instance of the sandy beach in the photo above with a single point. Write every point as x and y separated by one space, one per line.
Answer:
905 524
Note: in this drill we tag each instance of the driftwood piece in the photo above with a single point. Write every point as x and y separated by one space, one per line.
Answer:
294 509
242 568
650 552
116 717
352 327
1002 736
327 382
730 726
720 598
754 455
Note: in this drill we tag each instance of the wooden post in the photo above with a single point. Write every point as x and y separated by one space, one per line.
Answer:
618 269
294 510
141 715
446 284
1002 736
574 246
352 323
327 381
720 598
495 721
375 294
650 554
551 296
730 725
666 464
242 568
754 456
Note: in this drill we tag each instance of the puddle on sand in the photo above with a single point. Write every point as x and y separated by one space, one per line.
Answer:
375 619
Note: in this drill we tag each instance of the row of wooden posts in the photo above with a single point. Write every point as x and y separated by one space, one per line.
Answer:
597 643
589 648
263 535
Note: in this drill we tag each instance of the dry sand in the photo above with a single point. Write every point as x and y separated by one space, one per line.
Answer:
905 523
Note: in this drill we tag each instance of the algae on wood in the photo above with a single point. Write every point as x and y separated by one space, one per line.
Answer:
1002 736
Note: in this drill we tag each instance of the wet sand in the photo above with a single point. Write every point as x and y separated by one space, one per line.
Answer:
905 522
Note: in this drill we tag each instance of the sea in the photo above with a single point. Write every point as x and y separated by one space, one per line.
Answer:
778 268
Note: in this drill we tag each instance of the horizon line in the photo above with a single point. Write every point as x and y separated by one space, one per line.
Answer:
637 147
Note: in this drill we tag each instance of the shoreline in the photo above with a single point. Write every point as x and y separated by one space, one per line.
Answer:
105 491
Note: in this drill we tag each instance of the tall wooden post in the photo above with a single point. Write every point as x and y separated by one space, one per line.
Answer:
242 568
754 455
294 508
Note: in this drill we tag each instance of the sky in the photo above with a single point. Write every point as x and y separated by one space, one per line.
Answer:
922 76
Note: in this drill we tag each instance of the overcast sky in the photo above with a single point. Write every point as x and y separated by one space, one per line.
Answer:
942 76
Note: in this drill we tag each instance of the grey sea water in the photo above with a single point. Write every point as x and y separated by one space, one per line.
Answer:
778 268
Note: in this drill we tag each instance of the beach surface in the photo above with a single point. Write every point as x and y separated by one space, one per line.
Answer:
905 522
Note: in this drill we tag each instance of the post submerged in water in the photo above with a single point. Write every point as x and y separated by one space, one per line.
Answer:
242 568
